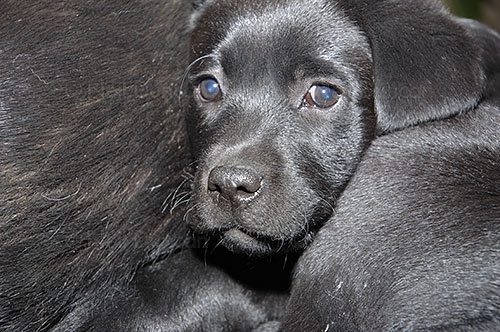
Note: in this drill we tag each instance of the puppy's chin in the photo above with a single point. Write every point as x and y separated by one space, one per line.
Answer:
240 242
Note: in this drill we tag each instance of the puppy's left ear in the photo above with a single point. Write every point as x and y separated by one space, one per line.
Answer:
198 7
426 65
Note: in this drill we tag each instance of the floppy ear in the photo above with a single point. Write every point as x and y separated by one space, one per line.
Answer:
426 66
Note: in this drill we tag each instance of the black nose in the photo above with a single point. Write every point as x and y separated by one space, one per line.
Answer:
235 183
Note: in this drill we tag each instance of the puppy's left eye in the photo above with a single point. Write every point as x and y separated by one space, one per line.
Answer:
209 90
322 96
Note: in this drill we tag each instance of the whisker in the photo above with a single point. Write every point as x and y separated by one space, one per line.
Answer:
218 244
184 219
179 203
172 198
328 204
281 245
285 260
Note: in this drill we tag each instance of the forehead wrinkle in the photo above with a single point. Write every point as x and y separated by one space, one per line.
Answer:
273 23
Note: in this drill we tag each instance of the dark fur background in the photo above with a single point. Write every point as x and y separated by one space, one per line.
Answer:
91 146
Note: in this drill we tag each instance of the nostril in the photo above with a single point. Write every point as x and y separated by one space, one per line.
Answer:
235 183
245 189
212 186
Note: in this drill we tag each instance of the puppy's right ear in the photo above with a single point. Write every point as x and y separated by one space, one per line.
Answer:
426 65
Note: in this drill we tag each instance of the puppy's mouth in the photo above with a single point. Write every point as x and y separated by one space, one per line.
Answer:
241 241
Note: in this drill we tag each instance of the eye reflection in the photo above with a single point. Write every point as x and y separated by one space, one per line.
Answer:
322 96
209 90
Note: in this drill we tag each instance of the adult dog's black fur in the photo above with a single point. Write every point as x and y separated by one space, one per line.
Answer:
287 96
185 292
92 144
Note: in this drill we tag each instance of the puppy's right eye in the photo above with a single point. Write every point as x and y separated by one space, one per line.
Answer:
209 90
321 96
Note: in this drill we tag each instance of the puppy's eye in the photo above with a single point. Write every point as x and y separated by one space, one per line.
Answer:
209 90
322 96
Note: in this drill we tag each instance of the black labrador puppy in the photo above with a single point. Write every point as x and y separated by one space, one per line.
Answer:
281 114
374 122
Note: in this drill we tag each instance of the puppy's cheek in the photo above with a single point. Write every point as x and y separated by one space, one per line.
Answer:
283 212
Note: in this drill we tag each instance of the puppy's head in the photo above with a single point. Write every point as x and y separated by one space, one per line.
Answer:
286 96
281 111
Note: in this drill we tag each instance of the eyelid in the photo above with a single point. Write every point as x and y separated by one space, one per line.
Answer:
198 78
308 101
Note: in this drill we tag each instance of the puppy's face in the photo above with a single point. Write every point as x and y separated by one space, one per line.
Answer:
281 112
